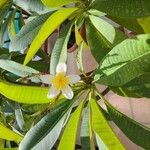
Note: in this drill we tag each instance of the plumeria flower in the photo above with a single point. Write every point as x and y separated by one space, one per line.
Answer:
60 82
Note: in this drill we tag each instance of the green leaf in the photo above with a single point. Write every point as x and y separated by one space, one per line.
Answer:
101 128
136 132
124 8
19 116
139 87
28 33
49 26
45 133
101 36
3 29
19 69
59 52
129 23
126 61
71 130
8 134
4 8
86 134
140 25
97 13
4 51
54 3
33 6
25 94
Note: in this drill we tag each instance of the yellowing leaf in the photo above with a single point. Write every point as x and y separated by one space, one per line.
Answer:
69 136
104 133
11 27
145 24
4 8
79 38
48 28
8 134
25 94
58 3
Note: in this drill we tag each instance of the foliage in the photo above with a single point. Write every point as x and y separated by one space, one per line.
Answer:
118 35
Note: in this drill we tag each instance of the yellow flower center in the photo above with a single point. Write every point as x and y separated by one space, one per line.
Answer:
60 81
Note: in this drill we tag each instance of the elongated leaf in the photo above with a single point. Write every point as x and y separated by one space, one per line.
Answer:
101 36
4 8
11 27
124 8
108 32
79 38
50 25
25 94
86 135
35 6
96 13
136 132
19 116
47 130
59 52
100 126
126 61
100 143
98 47
79 58
8 134
28 33
31 5
71 130
54 3
18 69
129 23
3 29
139 87
140 25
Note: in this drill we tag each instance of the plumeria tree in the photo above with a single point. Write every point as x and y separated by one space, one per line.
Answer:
42 105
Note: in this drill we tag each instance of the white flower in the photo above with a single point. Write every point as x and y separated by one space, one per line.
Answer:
60 82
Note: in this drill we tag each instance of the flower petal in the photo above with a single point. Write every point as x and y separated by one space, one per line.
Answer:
46 78
52 92
61 67
74 78
67 92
